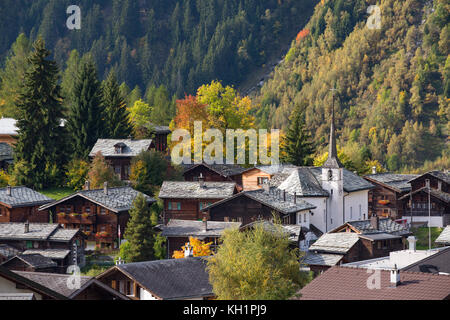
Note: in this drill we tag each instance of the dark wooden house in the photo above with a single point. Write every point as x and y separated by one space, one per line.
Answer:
119 153
389 188
32 263
101 214
424 204
20 204
215 172
184 200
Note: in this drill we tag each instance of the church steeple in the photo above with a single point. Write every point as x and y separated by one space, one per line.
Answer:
333 160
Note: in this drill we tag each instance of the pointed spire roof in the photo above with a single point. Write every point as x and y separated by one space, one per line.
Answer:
333 160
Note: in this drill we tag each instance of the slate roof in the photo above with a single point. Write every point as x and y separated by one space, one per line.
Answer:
8 126
160 129
192 190
439 194
436 263
386 225
395 181
186 228
132 149
293 231
322 259
22 197
444 237
276 169
273 199
56 254
33 260
441 175
37 232
117 200
347 283
339 243
6 152
379 236
170 279
225 170
17 296
8 251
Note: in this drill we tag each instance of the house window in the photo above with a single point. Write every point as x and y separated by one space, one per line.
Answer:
174 206
117 170
87 209
262 180
102 211
29 244
1 211
304 218
130 289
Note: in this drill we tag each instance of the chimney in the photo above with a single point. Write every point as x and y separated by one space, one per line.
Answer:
205 224
8 190
87 185
105 187
201 180
375 221
412 243
188 249
26 227
295 197
374 170
395 276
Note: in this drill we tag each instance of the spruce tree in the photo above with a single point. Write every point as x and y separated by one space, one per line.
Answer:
117 121
298 148
38 150
85 117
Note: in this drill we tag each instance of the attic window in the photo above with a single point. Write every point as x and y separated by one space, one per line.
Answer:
119 147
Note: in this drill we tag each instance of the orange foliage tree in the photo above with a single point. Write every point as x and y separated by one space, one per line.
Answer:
200 249
302 34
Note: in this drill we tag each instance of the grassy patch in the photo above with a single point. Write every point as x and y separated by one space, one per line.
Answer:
93 270
421 235
57 193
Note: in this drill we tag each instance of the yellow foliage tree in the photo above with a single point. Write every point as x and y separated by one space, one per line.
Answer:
200 249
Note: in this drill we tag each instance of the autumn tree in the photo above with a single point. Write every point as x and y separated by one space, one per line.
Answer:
256 264
199 249
100 172
77 173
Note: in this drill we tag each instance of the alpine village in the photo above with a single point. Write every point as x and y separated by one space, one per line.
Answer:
94 95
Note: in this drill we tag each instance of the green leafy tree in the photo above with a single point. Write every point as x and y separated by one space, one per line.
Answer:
100 172
255 264
77 173
116 115
40 139
85 117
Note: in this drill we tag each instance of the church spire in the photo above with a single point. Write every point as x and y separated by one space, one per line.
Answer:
333 160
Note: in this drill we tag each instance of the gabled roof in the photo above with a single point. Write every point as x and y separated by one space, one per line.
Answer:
37 232
116 200
348 283
33 260
441 175
275 169
159 129
185 228
8 251
435 193
58 283
193 190
339 243
444 237
225 170
8 126
171 279
273 200
394 181
22 197
54 254
321 259
386 225
132 149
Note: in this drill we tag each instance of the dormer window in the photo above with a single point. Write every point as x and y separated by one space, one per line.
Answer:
119 147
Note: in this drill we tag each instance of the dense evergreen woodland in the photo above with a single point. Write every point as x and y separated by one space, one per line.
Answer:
393 84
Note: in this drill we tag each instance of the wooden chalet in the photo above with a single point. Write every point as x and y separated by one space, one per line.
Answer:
171 279
184 200
31 263
415 203
389 188
8 131
20 204
254 178
101 214
215 172
119 153
177 232
51 241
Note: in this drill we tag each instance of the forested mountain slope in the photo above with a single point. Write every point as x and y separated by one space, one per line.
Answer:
180 44
393 84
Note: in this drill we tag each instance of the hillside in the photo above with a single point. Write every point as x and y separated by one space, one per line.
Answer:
393 84
180 44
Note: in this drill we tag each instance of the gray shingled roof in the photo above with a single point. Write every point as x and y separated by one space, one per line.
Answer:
276 169
339 243
57 254
159 129
439 194
379 236
117 199
8 251
171 279
132 149
6 151
273 199
192 190
322 259
444 237
16 296
386 225
34 260
37 232
398 182
225 170
291 230
22 197
436 263
8 126
185 228
441 175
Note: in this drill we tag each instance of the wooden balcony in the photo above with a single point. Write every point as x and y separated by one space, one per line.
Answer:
76 219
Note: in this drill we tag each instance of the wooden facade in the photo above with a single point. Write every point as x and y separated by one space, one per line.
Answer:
209 175
15 264
23 214
185 209
253 179
384 202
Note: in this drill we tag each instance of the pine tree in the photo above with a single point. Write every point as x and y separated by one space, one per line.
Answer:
84 123
116 115
69 76
39 143
298 148
140 234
